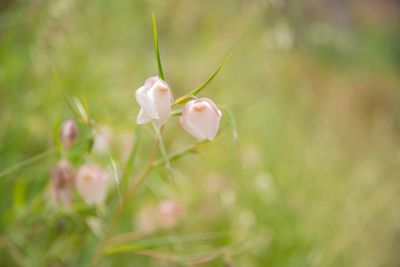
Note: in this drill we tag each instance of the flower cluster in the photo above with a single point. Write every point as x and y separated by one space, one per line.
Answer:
200 117
90 180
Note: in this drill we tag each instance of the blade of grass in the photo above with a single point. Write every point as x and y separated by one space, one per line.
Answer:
33 159
155 242
185 98
28 161
116 178
83 112
80 110
156 48
232 122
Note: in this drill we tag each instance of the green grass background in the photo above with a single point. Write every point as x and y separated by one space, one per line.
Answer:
314 89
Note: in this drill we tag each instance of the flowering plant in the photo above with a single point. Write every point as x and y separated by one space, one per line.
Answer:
199 117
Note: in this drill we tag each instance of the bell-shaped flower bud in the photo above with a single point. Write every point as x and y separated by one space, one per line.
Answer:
166 215
68 133
201 118
170 212
63 181
155 99
91 183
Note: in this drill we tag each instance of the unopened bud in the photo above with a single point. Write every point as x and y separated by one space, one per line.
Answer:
155 99
201 118
92 183
63 180
169 213
68 133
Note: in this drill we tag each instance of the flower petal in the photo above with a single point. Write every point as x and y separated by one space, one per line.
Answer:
91 183
145 99
142 117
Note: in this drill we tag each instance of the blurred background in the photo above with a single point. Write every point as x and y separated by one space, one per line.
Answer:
314 89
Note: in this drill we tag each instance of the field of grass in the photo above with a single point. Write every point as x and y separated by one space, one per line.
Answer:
312 91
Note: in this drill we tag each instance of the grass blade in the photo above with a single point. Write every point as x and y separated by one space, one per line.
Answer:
232 123
157 242
156 48
78 108
116 177
28 162
186 97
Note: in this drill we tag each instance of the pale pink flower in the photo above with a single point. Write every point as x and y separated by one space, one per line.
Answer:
91 183
68 133
155 99
166 215
201 118
102 140
147 220
169 213
63 180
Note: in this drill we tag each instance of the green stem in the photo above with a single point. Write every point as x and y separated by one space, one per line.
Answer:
163 150
156 48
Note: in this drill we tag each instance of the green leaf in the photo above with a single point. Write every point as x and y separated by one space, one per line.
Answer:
186 97
28 161
116 177
156 48
156 242
82 109
79 108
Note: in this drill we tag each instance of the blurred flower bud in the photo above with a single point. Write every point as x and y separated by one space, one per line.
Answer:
165 215
91 183
68 133
169 213
155 99
201 118
102 140
146 220
63 180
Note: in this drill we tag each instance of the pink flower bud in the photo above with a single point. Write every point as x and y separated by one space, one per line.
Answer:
63 180
91 183
169 213
201 118
166 215
155 99
146 220
68 133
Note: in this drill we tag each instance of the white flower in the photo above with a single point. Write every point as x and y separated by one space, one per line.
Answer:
91 183
201 118
155 99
